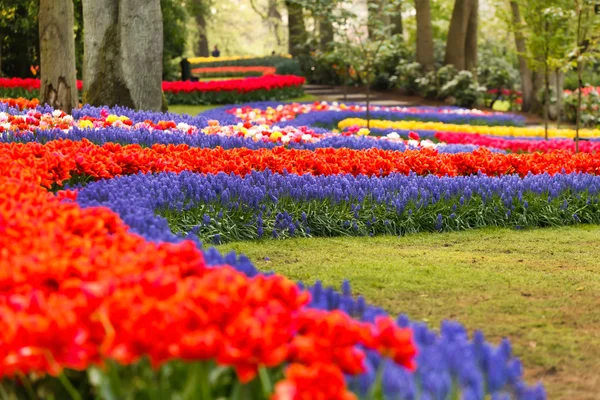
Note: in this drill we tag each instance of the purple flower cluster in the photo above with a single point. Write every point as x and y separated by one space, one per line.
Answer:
147 137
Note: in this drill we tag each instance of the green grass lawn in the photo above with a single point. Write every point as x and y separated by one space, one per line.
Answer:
195 110
540 288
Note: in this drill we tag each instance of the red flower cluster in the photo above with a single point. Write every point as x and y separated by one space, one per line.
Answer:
29 84
505 92
245 85
60 160
316 382
221 71
77 288
517 145
21 103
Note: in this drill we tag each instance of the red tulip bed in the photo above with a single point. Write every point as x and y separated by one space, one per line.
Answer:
268 87
109 287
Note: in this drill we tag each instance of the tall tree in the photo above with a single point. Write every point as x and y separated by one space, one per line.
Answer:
57 54
471 39
296 28
425 55
123 53
525 71
198 9
462 35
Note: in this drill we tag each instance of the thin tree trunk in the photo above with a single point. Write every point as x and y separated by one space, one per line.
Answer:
368 97
123 53
425 55
471 38
559 97
275 20
579 80
526 73
296 28
457 34
202 45
58 86
546 98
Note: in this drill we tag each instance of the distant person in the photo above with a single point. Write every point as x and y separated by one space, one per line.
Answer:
273 53
215 52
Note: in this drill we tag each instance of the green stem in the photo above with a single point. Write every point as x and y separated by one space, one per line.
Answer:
265 382
377 390
69 387
28 388
203 372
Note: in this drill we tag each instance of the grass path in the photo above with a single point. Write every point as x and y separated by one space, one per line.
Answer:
540 288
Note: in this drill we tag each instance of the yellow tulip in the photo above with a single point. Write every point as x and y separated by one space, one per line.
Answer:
483 130
84 123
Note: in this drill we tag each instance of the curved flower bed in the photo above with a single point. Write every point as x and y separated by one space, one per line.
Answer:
329 114
62 160
100 126
517 145
221 208
105 296
27 88
20 103
487 130
271 87
103 308
216 72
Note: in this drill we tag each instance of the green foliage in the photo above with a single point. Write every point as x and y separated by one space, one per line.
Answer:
19 39
408 77
464 89
232 97
322 69
590 76
590 108
496 71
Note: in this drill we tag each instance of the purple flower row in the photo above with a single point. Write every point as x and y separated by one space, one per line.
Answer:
147 137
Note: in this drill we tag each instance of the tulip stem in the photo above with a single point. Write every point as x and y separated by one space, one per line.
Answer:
69 387
265 382
28 387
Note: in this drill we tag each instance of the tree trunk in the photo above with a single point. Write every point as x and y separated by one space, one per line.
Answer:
560 81
123 53
274 18
202 45
425 55
457 34
296 28
58 86
325 34
528 93
471 39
